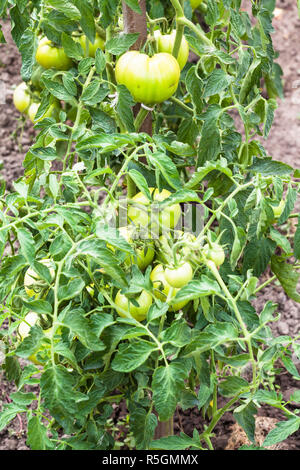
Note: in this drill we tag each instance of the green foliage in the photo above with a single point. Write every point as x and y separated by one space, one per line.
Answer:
76 173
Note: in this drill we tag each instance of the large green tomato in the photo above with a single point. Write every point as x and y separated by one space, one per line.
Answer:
139 213
214 252
139 313
162 288
33 284
144 255
98 44
50 56
150 80
21 97
195 3
179 276
165 43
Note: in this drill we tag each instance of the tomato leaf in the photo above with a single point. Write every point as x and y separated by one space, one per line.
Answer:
121 43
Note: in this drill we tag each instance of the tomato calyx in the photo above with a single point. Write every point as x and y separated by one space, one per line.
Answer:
135 306
163 290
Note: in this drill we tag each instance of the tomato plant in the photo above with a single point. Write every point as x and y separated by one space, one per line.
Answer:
149 79
158 320
126 307
214 252
140 214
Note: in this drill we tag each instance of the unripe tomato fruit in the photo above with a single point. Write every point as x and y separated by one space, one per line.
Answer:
144 255
33 108
162 288
215 253
33 283
98 44
21 97
195 3
165 43
50 56
180 276
150 80
139 213
278 209
139 313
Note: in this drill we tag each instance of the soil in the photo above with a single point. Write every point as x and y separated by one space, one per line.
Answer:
283 144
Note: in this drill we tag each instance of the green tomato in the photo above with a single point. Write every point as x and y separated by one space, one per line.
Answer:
165 43
33 284
91 52
195 3
139 313
180 276
279 209
50 56
21 97
139 213
214 253
150 80
162 288
144 255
